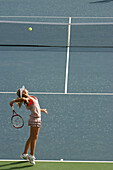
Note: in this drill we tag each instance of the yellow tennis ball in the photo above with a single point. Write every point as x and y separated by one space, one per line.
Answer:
30 28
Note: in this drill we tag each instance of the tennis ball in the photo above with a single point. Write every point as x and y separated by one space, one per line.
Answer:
30 28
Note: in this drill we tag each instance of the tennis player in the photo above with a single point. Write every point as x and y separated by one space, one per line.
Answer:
31 103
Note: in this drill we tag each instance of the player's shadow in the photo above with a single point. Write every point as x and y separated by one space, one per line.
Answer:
102 1
15 165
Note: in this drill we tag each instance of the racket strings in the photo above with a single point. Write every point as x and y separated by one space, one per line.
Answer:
17 121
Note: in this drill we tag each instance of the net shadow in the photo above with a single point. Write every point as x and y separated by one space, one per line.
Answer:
104 1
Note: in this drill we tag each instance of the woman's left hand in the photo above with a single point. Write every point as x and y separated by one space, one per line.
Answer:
45 110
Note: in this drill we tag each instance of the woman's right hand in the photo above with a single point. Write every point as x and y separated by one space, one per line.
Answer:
11 104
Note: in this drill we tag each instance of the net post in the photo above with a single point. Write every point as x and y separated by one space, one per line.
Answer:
68 48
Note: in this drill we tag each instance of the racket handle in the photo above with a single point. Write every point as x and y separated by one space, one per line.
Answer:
12 108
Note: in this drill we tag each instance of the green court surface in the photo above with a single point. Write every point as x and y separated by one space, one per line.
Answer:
7 165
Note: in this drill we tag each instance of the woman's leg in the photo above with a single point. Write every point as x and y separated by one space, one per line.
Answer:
34 136
34 131
28 143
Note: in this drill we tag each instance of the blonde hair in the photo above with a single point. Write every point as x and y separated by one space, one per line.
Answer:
18 103
18 93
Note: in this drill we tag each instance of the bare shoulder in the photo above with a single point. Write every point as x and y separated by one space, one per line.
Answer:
34 97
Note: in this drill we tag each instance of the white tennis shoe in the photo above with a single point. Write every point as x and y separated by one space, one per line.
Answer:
24 156
31 159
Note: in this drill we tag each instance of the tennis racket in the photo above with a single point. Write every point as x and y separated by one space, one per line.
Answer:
16 120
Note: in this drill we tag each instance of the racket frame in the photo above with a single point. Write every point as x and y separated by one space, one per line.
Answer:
16 114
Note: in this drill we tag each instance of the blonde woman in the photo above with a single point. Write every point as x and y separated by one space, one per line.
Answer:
31 103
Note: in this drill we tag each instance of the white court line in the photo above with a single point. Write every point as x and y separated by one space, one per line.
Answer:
26 22
92 17
54 17
59 161
53 23
93 94
87 94
67 62
52 93
7 92
93 23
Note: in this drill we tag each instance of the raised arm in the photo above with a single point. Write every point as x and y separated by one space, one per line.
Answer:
23 99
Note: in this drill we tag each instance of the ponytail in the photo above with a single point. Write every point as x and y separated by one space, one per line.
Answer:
19 104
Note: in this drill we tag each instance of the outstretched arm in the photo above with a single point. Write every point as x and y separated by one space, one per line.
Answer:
44 110
19 100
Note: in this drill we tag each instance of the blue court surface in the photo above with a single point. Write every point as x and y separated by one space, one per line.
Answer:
72 8
67 63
